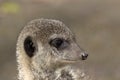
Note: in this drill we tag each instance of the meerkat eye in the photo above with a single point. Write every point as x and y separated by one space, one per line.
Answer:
29 46
58 43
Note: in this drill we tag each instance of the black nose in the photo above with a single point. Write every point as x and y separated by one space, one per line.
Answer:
84 56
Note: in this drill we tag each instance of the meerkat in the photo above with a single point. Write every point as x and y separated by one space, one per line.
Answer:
47 50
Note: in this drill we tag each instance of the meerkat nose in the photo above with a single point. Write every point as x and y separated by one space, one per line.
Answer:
84 56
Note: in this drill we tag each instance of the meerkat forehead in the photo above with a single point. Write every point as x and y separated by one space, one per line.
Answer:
42 29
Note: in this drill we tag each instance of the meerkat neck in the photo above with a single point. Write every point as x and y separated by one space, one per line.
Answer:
43 74
53 73
30 73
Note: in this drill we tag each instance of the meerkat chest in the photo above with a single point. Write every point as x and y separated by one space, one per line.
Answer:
64 76
69 73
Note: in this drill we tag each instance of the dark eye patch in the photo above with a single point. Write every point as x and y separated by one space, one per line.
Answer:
29 46
59 43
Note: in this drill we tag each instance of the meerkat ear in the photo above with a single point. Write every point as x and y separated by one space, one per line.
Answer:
29 46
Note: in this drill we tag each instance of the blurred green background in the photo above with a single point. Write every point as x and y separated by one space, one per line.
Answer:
96 24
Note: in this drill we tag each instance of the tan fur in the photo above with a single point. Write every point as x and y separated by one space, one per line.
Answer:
48 63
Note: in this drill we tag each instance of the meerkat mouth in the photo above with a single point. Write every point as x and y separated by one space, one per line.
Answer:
69 61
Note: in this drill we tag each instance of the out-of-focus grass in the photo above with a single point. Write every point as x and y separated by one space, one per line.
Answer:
10 8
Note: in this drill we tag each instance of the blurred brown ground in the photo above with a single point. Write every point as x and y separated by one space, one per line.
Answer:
96 24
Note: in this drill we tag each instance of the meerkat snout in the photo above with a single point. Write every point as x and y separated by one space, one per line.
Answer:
84 56
44 46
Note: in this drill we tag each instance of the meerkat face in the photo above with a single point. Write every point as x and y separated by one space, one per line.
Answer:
47 42
66 49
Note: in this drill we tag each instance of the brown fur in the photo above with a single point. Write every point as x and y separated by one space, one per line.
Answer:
48 63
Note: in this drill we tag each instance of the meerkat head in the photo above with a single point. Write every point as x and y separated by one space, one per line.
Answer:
47 43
